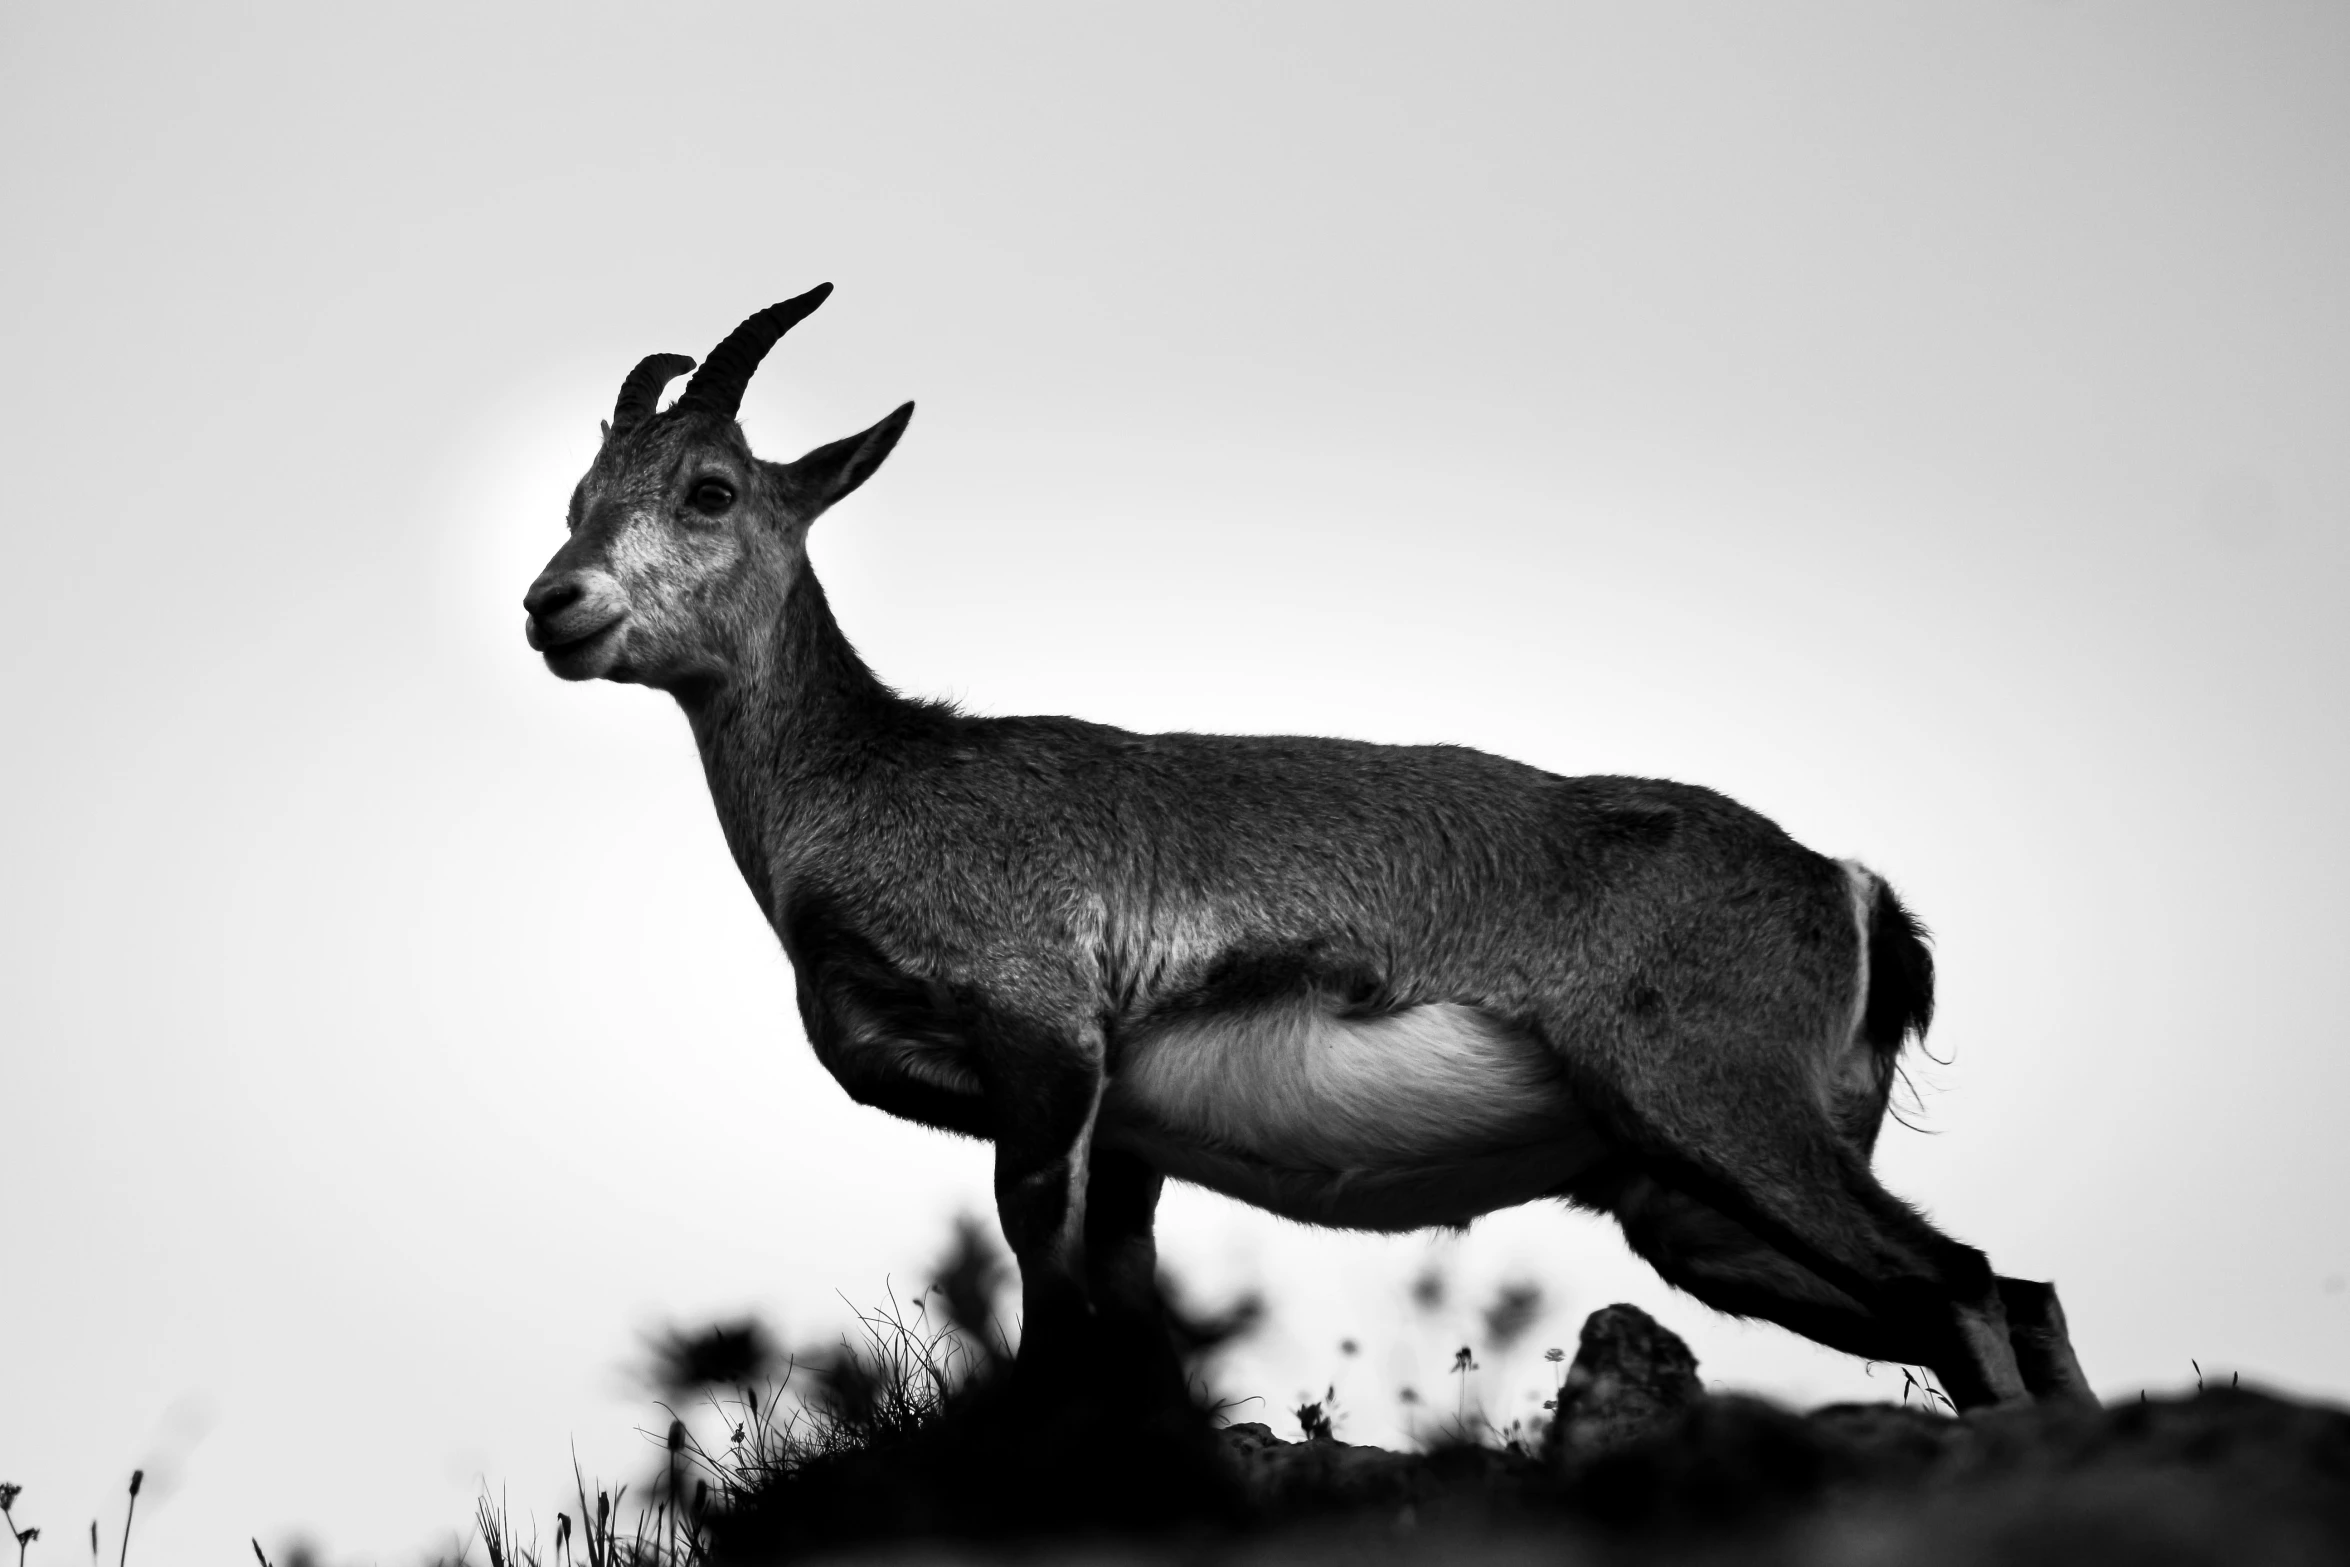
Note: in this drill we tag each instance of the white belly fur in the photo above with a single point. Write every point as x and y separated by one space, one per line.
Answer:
1430 1115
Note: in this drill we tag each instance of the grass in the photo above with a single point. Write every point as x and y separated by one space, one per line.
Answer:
906 1427
876 1391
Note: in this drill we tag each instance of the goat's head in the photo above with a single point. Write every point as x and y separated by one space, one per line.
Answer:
683 545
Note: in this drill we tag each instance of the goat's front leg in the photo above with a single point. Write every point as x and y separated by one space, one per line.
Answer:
1045 1088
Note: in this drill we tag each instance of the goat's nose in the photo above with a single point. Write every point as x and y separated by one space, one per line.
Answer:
552 595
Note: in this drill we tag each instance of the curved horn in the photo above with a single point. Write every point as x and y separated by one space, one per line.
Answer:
642 389
718 385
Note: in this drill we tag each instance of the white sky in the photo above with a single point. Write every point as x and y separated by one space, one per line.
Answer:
1923 423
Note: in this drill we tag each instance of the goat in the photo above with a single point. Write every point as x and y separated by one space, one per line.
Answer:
1373 986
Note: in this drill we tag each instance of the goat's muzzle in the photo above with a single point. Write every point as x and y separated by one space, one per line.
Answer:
578 620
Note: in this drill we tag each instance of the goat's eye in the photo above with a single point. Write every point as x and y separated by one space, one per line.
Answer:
710 497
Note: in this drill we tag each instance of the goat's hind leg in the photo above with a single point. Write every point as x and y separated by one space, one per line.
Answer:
1694 1247
2043 1345
1770 1159
1122 1276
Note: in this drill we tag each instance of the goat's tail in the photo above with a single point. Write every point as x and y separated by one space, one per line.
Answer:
1895 1003
1900 1002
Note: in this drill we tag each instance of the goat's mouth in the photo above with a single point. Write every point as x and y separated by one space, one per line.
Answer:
579 654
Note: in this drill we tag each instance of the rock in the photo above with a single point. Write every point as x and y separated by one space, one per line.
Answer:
1245 1439
1632 1378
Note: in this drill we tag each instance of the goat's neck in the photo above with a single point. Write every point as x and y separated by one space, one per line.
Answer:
789 741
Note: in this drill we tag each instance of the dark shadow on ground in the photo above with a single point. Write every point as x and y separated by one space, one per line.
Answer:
1642 1467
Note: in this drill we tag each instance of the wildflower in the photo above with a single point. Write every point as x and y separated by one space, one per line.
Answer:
969 1279
1428 1289
1511 1313
721 1354
138 1478
1462 1364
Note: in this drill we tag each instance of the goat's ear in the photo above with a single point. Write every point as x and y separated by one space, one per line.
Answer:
829 473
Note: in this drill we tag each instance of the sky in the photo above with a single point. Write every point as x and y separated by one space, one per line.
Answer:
1922 423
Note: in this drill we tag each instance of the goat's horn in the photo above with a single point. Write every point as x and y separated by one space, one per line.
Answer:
642 389
718 385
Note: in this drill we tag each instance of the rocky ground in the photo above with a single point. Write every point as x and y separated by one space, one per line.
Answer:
1643 1466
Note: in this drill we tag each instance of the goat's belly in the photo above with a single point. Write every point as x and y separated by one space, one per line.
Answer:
1429 1115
